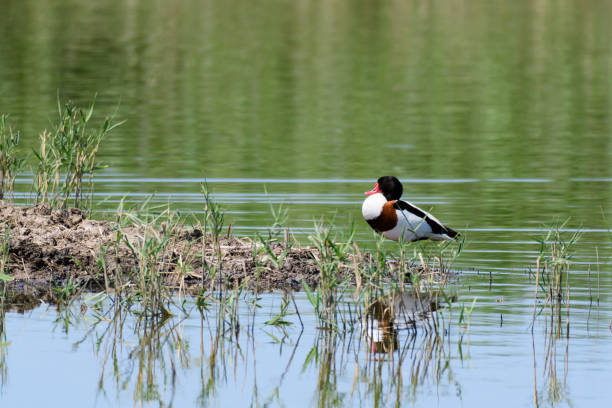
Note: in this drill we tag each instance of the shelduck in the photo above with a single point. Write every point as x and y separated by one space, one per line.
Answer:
392 217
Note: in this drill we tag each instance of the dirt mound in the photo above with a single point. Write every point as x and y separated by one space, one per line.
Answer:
48 249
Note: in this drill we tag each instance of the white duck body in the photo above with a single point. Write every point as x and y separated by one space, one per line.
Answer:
410 221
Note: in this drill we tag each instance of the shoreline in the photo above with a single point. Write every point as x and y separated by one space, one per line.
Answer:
52 248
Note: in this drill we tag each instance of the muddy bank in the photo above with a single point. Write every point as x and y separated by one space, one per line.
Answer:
48 249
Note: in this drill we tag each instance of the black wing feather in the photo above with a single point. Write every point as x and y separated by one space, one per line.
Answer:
435 226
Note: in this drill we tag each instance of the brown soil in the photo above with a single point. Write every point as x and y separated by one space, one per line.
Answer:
49 248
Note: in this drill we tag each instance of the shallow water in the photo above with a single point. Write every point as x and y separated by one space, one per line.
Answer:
496 117
91 359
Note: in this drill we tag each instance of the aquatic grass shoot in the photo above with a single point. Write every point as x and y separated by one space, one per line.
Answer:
213 215
5 246
66 292
152 259
552 295
10 162
552 273
67 155
332 250
280 215
4 344
213 226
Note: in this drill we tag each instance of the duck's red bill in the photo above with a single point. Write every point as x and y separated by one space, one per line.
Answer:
374 190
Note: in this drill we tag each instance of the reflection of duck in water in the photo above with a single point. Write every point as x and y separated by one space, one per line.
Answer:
380 333
394 218
385 316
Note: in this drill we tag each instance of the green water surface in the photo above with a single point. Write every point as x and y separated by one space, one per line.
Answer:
495 114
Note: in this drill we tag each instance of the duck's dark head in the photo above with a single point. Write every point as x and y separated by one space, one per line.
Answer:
388 186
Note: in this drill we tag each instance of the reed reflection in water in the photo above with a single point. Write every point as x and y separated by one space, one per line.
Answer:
229 348
147 358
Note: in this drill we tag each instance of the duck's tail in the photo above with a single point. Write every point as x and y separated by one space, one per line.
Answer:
451 233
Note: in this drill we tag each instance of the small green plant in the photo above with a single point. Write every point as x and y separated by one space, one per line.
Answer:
465 314
68 154
332 253
277 260
279 319
66 292
552 299
10 163
149 287
213 225
5 246
280 215
213 219
553 265
160 260
4 343
552 286
314 297
269 242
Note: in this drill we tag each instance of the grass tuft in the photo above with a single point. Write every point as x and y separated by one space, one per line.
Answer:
10 163
67 156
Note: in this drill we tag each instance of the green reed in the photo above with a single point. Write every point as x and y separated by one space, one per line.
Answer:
552 274
156 349
280 319
148 235
4 345
222 317
5 247
67 156
148 245
213 223
391 370
375 272
213 215
332 252
66 292
280 216
552 292
157 355
5 242
10 162
422 270
327 378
